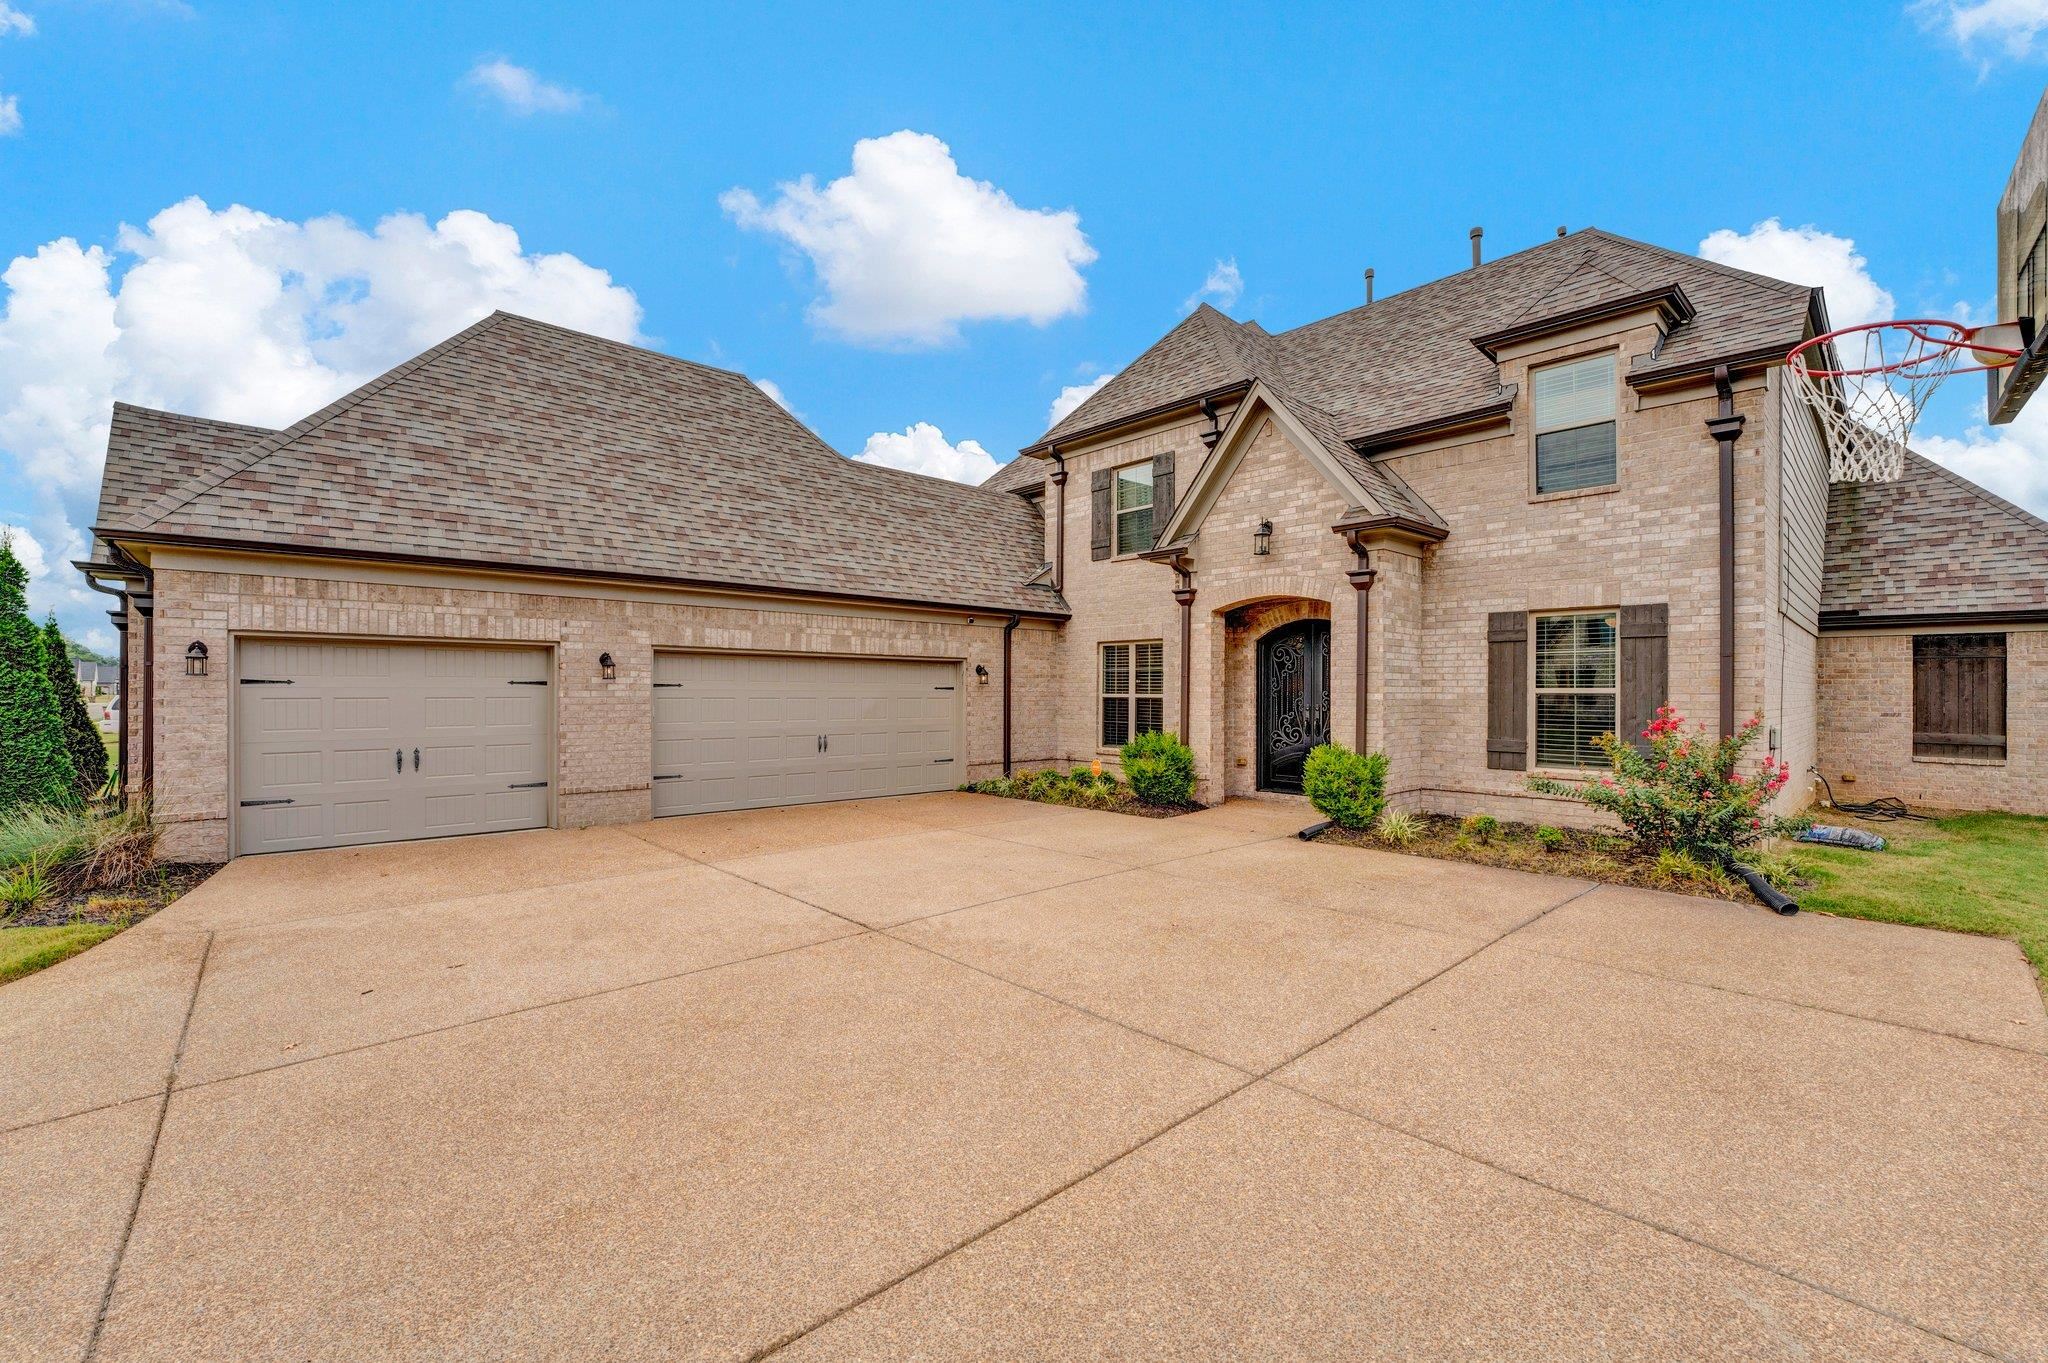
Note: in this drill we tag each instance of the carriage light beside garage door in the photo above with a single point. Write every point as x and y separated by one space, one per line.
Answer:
744 731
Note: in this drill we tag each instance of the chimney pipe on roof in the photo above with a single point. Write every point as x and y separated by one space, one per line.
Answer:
1368 286
1560 229
1477 233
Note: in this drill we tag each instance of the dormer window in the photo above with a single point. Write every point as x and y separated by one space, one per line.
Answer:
1574 415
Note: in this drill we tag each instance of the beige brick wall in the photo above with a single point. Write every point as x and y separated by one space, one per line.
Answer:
602 733
1866 727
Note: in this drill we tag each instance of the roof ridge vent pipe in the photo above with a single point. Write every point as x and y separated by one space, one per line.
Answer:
1477 234
1368 286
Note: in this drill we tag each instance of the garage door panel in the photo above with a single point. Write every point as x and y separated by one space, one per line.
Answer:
331 762
734 731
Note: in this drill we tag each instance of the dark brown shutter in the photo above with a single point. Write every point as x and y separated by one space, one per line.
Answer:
1645 669
1507 691
1101 520
1959 695
1162 494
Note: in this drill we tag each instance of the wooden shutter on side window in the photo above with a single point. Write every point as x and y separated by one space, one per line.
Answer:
1101 518
1507 691
1162 494
1645 670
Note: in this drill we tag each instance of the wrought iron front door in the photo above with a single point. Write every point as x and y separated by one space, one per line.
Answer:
1294 700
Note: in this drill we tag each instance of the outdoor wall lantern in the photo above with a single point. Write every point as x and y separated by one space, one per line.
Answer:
195 659
606 668
981 674
1262 538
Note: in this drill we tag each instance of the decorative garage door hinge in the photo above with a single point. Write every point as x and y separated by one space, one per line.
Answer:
942 759
677 777
251 804
526 683
942 688
668 683
528 785
266 681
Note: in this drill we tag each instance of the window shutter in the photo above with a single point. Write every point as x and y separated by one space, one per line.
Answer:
1645 669
1507 691
1162 493
1101 520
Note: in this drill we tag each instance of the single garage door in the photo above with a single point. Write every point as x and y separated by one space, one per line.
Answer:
339 744
739 731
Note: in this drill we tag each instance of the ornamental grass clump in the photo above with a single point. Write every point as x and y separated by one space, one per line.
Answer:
1685 792
1347 788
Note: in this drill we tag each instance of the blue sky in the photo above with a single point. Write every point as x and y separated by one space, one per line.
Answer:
1077 174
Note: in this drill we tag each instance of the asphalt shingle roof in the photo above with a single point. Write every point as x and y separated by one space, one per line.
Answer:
521 444
1409 358
158 452
1931 543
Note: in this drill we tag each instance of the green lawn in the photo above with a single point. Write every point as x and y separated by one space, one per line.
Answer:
23 951
1985 873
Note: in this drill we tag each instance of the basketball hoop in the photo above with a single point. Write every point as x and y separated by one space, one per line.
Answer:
1868 384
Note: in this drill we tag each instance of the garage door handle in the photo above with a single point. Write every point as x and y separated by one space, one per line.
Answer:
398 756
415 759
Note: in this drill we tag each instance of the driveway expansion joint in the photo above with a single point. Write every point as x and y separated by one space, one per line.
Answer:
163 1107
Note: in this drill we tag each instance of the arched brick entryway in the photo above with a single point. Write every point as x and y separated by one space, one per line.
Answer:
1244 625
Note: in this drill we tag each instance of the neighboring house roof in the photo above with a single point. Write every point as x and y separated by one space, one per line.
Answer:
1931 543
1409 358
518 444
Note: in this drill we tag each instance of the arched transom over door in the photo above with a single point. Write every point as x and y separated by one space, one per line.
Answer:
1293 701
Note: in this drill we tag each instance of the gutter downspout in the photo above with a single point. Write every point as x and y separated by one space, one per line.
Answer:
120 621
1362 577
1009 629
1725 426
1059 521
1184 597
145 606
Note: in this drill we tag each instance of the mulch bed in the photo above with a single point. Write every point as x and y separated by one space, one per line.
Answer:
132 903
1584 854
1135 807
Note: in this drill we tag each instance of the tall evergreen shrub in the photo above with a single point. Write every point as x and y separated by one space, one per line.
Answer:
81 736
35 767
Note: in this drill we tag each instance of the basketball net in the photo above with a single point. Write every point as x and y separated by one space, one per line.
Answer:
1867 385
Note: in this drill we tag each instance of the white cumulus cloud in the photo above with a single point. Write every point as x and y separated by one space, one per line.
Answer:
10 115
1806 255
906 248
519 90
2012 28
923 448
2011 460
1072 396
13 22
239 315
1225 285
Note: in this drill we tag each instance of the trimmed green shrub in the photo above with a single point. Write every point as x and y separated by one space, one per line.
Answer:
35 767
1480 827
1347 788
1160 768
81 735
1548 838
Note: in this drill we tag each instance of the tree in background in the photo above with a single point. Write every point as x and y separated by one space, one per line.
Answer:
81 735
35 766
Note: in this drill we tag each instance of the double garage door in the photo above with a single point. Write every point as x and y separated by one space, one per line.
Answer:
739 731
338 744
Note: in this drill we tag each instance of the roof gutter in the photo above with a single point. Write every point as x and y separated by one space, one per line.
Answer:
1471 419
114 536
1192 403
1835 622
1669 300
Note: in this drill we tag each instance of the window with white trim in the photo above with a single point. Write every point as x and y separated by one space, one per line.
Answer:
1134 509
1133 691
1574 411
1578 667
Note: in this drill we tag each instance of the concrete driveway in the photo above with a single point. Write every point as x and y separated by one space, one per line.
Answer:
951 1077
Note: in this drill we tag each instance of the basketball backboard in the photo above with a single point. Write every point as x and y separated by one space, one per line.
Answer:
2023 270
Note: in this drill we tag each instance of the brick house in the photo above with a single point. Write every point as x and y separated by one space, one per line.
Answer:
532 577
